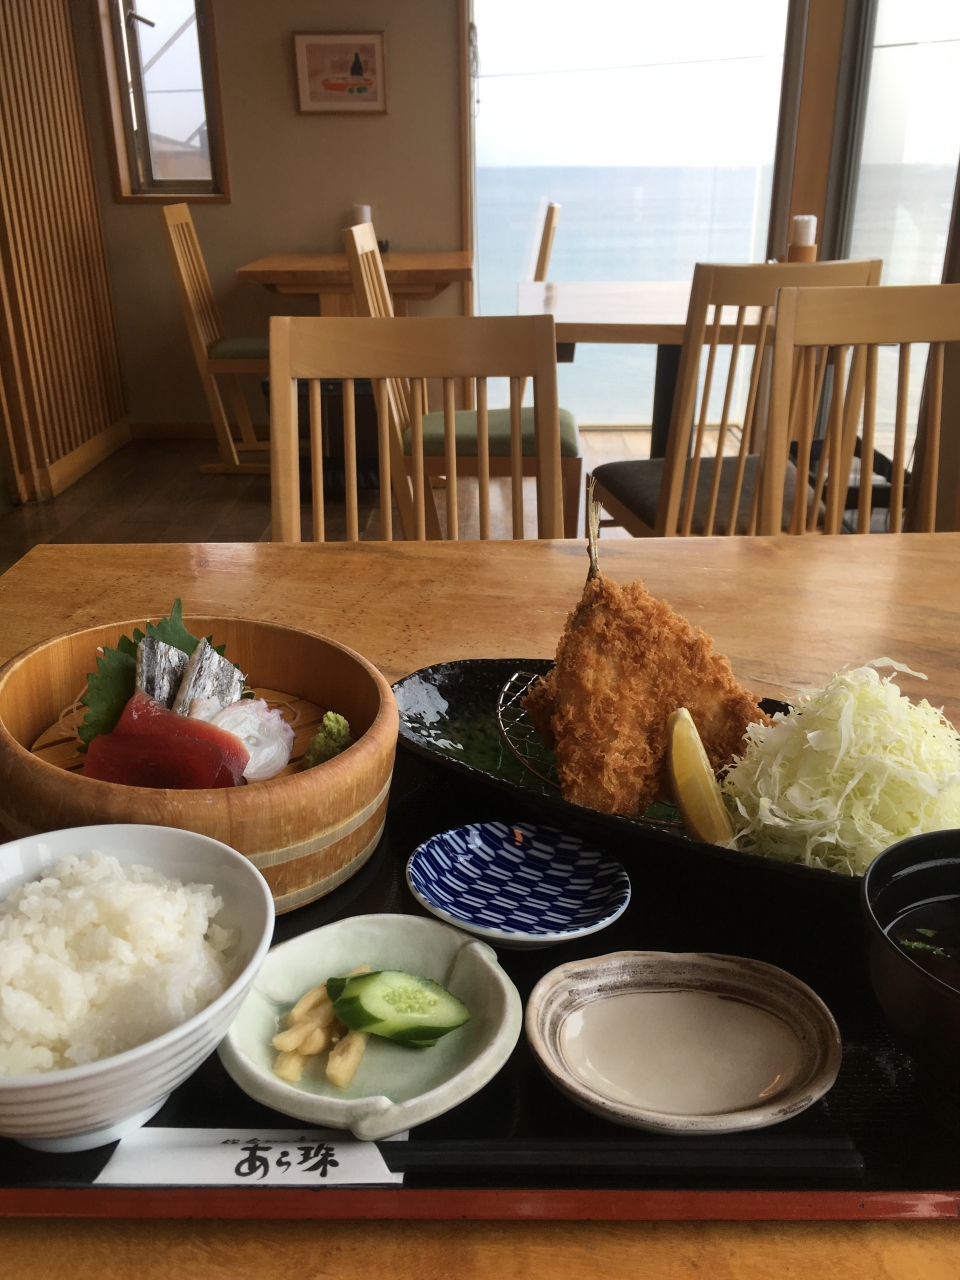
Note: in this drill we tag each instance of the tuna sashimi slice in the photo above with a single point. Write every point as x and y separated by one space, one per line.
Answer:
153 760
145 715
154 747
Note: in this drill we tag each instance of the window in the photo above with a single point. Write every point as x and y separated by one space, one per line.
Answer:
653 125
908 165
162 78
911 140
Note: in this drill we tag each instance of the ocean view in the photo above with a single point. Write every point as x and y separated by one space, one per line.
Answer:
655 223
615 224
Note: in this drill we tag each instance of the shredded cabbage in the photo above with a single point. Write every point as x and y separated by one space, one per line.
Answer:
850 770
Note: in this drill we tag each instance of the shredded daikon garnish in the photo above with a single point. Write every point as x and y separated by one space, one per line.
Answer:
851 769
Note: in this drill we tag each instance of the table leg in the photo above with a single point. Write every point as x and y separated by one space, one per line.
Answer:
336 304
664 386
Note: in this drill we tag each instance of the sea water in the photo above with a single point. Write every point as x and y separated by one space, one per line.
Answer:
655 223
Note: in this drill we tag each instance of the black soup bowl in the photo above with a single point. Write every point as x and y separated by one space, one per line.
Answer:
920 872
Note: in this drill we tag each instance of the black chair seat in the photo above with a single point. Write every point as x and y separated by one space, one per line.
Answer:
636 484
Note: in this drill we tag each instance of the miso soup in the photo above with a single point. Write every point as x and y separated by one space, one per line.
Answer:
929 933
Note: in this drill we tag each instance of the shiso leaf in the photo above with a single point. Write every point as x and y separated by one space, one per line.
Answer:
109 689
111 686
172 631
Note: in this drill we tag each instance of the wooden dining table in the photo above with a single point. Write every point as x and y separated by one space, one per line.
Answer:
636 312
411 276
641 312
617 311
788 612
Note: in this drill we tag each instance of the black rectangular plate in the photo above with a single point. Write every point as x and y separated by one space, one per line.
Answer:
448 716
885 1126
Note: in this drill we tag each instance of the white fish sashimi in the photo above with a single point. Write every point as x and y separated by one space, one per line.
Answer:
263 731
205 708
208 675
160 669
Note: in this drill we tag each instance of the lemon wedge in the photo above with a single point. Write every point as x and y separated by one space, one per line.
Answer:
695 787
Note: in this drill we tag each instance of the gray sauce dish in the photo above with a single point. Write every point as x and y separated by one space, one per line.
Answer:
924 1009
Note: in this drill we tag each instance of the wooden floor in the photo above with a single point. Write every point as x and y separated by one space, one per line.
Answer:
154 491
149 491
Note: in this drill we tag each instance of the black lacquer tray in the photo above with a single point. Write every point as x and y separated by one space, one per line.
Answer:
448 716
885 1142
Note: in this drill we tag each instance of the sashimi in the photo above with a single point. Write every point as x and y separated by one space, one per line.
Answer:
153 760
154 747
263 731
207 675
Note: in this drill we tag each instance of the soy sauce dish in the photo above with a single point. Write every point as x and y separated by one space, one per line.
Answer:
911 906
683 1042
518 886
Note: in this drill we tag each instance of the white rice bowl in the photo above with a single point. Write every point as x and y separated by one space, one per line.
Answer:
75 1107
96 958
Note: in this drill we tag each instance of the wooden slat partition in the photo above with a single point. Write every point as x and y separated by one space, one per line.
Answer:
59 362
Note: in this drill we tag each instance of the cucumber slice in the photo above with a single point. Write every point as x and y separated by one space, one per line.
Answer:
335 988
399 1006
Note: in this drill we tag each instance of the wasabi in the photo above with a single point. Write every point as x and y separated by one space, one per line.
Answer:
331 738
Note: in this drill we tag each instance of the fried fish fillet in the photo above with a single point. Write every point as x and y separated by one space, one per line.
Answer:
625 662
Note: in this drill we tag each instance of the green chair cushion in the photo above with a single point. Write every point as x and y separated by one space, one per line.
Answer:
246 348
498 432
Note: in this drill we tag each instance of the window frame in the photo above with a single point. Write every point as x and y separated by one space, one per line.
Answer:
856 53
129 188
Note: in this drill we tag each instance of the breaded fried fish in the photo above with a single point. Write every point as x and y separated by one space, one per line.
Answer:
625 661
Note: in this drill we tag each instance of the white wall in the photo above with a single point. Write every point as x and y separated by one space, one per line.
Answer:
293 177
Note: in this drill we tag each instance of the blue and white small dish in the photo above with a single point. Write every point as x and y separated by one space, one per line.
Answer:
518 885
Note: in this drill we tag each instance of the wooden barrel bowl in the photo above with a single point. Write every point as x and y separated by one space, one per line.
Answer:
307 830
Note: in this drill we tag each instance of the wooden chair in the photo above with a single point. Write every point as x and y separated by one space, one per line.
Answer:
550 220
390 351
373 299
814 327
216 356
687 492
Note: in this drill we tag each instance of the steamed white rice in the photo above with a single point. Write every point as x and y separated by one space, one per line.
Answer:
96 958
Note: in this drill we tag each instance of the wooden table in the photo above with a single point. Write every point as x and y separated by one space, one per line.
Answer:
787 611
623 311
411 276
631 311
620 311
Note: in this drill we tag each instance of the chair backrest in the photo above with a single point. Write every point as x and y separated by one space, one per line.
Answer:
550 219
384 349
366 271
814 328
750 289
193 282
373 299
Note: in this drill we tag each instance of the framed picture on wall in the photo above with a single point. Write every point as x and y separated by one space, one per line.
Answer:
341 71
